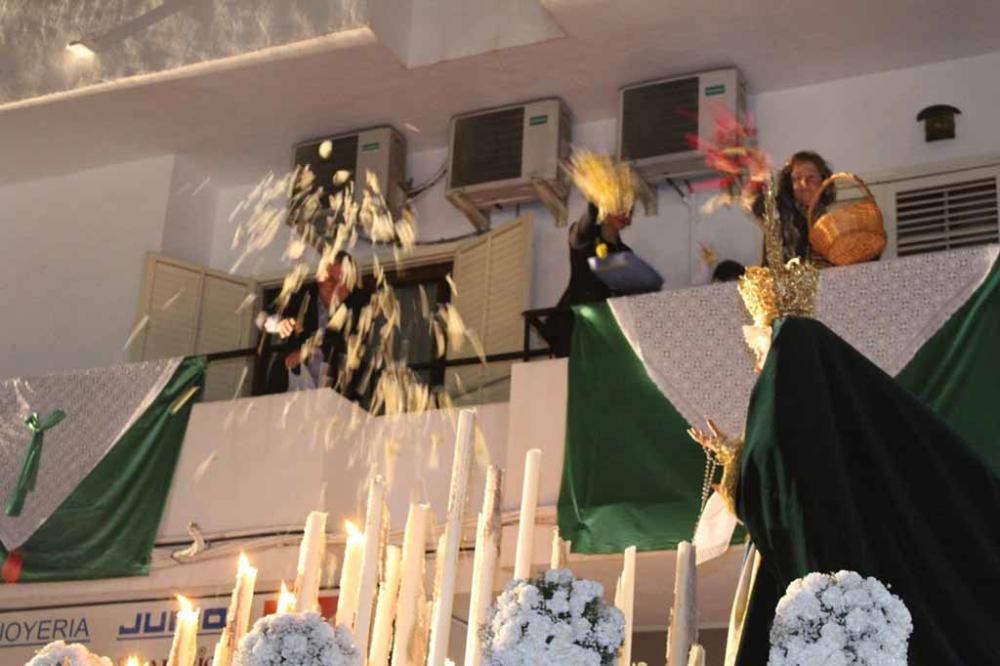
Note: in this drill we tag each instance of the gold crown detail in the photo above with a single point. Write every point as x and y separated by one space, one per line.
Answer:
788 290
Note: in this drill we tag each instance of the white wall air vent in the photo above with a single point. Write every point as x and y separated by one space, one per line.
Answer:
947 216
508 156
380 150
656 119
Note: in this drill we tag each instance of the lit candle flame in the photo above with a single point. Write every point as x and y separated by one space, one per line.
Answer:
352 530
133 661
286 600
245 567
185 604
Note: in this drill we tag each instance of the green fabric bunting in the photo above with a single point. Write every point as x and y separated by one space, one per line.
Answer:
107 527
957 372
28 475
631 474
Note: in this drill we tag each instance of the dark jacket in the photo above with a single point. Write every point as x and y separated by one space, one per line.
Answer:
334 345
584 236
584 286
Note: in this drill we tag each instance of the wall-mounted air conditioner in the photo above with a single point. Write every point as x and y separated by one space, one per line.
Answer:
379 150
657 118
507 156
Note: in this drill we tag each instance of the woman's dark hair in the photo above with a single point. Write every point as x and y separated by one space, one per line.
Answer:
794 226
785 176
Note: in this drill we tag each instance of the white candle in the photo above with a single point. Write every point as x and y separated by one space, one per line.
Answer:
286 600
370 556
488 531
741 602
350 576
411 603
556 557
385 609
684 621
184 649
529 506
310 566
626 604
238 616
697 656
444 592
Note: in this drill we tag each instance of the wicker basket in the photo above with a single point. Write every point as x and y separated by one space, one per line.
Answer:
847 233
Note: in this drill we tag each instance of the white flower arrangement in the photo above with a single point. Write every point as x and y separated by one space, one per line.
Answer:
555 619
59 653
839 619
297 639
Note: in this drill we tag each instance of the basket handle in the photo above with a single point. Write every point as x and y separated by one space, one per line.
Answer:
826 183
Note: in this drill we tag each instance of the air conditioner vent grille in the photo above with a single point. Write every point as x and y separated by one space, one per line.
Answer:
343 156
487 147
658 119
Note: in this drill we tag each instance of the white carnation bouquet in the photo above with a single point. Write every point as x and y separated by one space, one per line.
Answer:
59 653
554 619
297 639
839 619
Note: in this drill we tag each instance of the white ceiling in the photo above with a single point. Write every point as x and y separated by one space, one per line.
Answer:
239 117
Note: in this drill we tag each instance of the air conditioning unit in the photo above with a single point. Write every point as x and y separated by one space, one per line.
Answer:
507 156
380 150
657 119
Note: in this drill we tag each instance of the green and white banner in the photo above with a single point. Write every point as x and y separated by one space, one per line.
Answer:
101 474
643 369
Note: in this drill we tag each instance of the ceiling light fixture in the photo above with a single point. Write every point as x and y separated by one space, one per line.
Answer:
79 50
87 47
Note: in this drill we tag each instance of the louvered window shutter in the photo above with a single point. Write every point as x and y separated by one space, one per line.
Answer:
192 310
493 277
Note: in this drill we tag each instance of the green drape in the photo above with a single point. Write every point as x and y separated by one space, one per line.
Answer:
845 469
107 527
957 371
631 475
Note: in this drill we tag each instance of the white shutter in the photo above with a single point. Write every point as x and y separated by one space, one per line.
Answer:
172 306
493 276
192 310
222 328
471 274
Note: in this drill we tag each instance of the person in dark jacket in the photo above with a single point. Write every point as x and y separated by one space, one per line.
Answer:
587 238
302 326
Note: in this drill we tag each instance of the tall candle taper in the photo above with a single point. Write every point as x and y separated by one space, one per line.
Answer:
411 586
627 604
444 595
488 530
184 649
371 554
684 618
526 524
238 615
310 566
696 657
385 609
350 576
